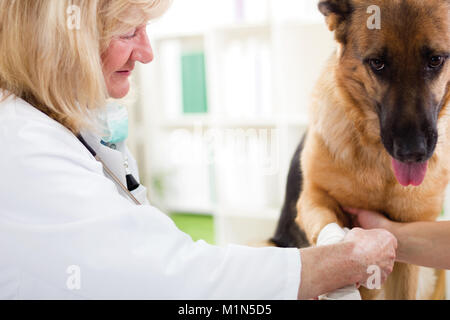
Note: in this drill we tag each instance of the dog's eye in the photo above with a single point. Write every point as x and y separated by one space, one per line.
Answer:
377 64
436 62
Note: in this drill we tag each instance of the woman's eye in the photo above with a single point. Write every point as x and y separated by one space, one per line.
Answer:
436 62
377 64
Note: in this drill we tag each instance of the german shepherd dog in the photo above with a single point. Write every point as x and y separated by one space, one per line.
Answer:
378 136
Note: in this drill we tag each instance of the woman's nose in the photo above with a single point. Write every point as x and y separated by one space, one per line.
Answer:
143 51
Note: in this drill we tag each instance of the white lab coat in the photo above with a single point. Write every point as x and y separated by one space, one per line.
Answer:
66 231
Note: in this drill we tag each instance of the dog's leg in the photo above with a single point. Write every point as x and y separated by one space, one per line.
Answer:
370 294
439 292
402 283
316 209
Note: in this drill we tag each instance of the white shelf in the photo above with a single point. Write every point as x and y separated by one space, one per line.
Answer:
187 121
237 30
271 214
250 213
244 30
178 35
193 121
200 210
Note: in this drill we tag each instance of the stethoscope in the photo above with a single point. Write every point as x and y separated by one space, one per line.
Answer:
132 184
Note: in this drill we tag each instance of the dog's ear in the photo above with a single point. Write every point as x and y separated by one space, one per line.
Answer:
337 13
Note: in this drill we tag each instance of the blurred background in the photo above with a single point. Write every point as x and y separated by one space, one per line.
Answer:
217 116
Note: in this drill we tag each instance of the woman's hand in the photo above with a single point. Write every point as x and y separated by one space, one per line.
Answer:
372 248
422 243
328 268
370 219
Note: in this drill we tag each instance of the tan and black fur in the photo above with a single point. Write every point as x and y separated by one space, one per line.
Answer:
362 117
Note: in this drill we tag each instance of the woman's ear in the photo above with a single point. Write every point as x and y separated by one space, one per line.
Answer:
337 13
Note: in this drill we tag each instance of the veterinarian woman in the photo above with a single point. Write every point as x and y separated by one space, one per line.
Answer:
422 243
72 227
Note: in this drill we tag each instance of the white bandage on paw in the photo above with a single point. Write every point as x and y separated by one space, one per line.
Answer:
347 293
329 235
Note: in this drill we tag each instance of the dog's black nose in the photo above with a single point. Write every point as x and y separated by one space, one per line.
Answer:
411 149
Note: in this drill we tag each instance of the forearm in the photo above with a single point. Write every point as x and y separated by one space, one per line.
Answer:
423 243
327 268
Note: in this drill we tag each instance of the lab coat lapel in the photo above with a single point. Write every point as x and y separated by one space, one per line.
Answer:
112 158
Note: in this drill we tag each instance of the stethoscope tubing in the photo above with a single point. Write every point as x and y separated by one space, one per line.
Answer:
108 171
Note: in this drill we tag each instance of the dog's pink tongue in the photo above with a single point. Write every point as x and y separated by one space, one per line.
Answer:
409 173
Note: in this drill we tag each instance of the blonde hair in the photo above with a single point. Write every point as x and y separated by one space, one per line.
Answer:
51 51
